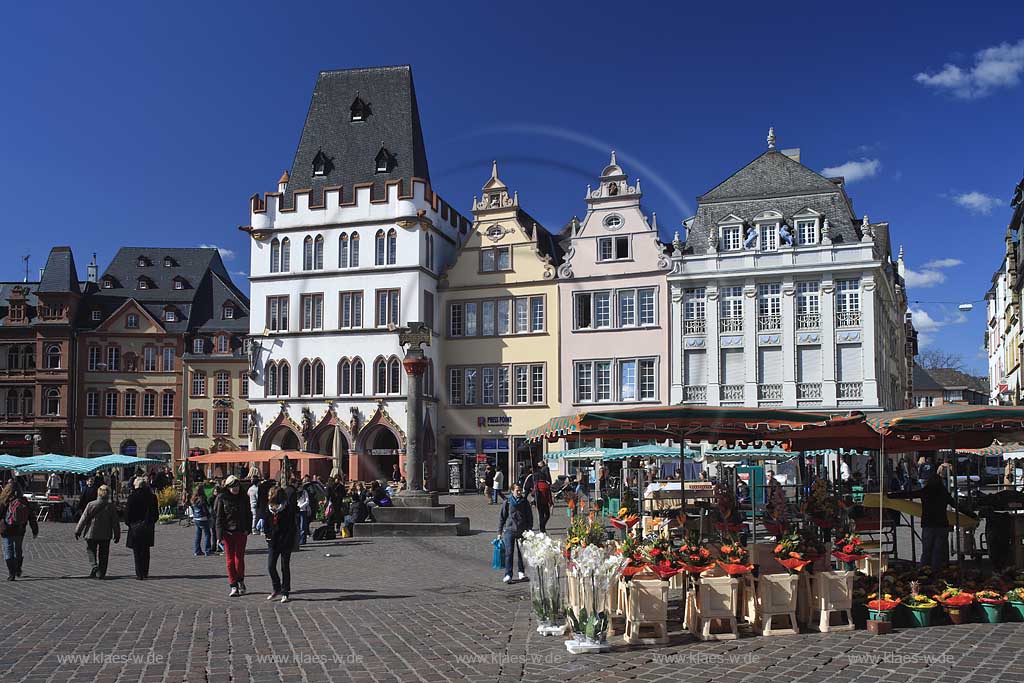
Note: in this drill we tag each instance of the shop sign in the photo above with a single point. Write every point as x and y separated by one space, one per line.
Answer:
494 421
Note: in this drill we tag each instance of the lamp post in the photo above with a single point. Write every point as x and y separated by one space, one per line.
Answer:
413 337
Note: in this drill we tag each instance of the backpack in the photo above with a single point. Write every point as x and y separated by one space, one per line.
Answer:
17 514
324 533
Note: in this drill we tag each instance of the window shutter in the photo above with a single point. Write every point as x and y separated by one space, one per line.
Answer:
696 368
769 365
849 365
732 366
808 365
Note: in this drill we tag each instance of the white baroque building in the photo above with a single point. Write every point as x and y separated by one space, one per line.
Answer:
345 252
781 296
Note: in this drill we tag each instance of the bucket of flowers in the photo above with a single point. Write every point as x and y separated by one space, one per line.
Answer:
546 567
821 506
694 557
957 604
849 550
881 609
1015 600
734 558
729 516
992 604
796 549
595 569
919 606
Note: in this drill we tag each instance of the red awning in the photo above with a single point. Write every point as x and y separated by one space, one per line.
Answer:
224 457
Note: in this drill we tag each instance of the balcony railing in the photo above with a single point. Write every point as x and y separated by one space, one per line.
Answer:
849 390
808 390
730 325
808 321
695 326
769 323
695 394
731 392
848 319
769 392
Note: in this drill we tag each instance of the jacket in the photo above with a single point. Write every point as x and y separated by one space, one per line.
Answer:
934 500
99 522
140 514
231 514
18 530
281 528
516 518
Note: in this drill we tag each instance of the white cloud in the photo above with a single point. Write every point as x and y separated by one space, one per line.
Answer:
977 202
927 326
930 273
853 171
225 253
995 67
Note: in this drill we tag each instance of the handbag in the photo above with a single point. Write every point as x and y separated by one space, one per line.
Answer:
497 558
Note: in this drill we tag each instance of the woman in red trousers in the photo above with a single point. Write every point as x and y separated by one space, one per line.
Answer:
233 520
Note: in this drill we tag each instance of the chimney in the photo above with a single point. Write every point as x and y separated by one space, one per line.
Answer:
92 270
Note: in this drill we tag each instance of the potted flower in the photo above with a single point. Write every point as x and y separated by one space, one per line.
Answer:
957 604
849 550
595 569
632 552
662 558
920 606
543 556
734 559
584 530
880 609
795 550
1015 600
821 506
624 521
694 557
992 604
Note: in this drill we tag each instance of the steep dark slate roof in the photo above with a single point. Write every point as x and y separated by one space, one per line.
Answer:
772 181
194 304
923 381
59 274
547 243
208 308
352 146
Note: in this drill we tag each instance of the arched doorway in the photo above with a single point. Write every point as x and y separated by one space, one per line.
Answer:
332 441
159 449
381 454
129 447
98 448
283 439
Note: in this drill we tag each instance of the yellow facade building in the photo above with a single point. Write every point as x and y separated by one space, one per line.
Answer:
501 338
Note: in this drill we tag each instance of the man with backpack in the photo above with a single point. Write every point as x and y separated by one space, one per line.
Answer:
15 517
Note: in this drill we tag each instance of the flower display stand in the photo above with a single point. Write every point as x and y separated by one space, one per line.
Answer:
832 597
874 564
804 604
717 602
647 612
776 597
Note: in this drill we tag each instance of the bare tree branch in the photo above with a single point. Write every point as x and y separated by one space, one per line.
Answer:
933 359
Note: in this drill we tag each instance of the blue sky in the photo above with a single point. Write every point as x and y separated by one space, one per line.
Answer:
152 123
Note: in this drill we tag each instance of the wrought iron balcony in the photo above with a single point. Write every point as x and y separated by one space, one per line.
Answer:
848 319
808 321
808 390
730 324
849 390
695 394
769 323
695 326
769 392
731 393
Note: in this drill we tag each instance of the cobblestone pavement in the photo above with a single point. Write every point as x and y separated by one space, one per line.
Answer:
397 610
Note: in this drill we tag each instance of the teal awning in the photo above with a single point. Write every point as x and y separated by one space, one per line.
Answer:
52 462
762 453
585 453
650 451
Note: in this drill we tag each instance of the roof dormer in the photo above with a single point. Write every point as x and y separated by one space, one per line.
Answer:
143 261
169 262
360 110
180 282
145 283
108 282
384 161
322 164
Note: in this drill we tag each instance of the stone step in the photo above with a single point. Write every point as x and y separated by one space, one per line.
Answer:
401 515
456 526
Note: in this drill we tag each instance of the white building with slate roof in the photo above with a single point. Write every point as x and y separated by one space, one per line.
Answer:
782 296
347 250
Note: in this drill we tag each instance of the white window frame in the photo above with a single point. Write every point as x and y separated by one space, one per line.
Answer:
768 236
613 242
730 237
806 231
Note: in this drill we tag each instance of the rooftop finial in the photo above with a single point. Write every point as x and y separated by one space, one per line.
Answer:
494 169
613 163
900 256
771 137
654 221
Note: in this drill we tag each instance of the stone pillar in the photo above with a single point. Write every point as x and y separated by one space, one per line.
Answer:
415 364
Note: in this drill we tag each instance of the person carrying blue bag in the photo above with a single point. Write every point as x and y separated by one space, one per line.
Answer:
515 520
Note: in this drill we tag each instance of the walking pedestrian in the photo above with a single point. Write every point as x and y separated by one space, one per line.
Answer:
140 514
199 507
543 499
254 494
53 484
499 485
233 521
280 529
15 517
302 500
515 519
99 524
88 494
489 483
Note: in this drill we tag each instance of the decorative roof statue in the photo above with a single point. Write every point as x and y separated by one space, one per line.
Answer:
771 138
786 235
712 241
826 233
677 244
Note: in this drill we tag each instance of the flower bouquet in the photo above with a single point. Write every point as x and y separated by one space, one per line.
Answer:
796 550
584 530
735 559
624 520
729 516
821 506
848 550
595 568
662 558
694 557
1015 599
544 562
992 604
957 604
880 609
920 606
632 552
